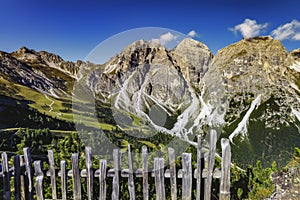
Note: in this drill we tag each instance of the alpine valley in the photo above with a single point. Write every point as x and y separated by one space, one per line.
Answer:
249 92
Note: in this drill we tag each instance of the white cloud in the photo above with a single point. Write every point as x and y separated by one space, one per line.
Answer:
249 28
296 36
193 33
165 38
287 31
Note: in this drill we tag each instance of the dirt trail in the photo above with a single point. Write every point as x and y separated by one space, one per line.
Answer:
50 105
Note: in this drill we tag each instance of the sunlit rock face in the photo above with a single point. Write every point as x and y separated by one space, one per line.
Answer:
159 72
195 56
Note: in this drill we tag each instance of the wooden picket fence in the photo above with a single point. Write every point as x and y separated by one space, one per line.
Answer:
28 181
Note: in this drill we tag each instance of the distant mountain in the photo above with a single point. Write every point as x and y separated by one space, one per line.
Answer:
249 91
42 71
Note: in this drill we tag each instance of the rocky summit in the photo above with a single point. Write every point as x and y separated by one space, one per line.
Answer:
190 60
249 91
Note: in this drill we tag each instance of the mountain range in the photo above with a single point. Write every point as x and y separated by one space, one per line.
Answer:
249 91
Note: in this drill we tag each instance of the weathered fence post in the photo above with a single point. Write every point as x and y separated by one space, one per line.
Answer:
39 180
17 178
52 173
130 177
145 173
22 177
76 177
115 192
211 163
27 157
199 169
89 170
102 180
162 166
63 178
6 177
186 176
159 178
172 164
225 173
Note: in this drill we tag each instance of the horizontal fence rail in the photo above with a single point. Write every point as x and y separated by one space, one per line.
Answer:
28 177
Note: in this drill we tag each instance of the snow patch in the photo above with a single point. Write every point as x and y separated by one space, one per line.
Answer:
296 113
295 87
242 126
110 68
296 66
122 96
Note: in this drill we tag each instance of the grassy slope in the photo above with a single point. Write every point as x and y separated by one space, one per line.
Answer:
42 103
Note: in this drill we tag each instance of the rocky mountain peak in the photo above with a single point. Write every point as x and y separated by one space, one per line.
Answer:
138 53
194 57
50 57
188 53
189 42
257 50
25 50
190 58
25 54
141 44
252 65
46 60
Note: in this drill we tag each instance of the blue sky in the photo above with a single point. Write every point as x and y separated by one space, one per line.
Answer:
72 28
